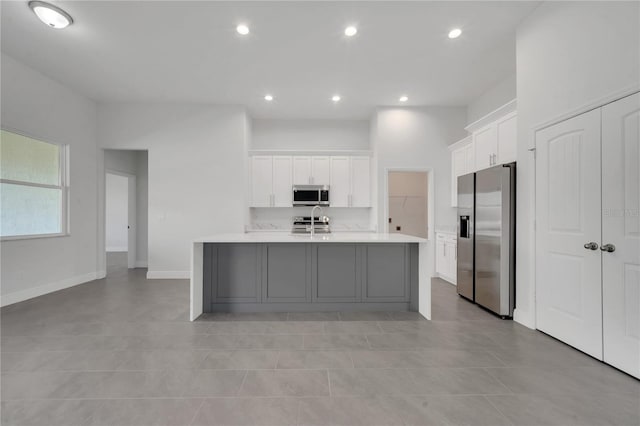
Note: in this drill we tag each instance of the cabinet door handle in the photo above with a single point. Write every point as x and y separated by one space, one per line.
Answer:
455 254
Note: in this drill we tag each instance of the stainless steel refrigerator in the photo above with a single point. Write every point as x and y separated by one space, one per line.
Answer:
486 238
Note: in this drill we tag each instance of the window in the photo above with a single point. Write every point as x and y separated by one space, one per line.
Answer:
33 187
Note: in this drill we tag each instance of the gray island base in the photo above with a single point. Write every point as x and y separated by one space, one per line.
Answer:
283 273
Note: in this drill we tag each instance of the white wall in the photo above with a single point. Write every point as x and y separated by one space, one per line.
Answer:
569 54
134 162
197 172
117 212
492 99
36 105
417 138
310 134
142 209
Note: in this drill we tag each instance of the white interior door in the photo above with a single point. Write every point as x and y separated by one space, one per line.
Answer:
621 227
568 216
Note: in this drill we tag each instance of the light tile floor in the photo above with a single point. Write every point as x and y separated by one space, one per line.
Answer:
120 351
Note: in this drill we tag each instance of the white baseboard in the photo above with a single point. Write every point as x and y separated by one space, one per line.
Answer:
30 293
168 275
117 249
141 264
447 278
101 274
524 318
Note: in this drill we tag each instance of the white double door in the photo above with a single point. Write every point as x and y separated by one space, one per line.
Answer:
588 232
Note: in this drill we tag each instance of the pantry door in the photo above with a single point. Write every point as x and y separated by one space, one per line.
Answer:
621 228
568 227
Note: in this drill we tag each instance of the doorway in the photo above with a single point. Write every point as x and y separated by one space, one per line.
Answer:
408 202
125 209
120 220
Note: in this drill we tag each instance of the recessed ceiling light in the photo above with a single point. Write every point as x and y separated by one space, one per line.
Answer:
268 98
335 98
403 98
350 31
242 29
455 33
51 15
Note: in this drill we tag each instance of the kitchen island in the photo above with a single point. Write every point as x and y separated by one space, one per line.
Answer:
281 272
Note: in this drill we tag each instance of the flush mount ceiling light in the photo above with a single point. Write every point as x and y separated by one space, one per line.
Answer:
350 31
403 98
268 98
335 98
242 29
51 15
455 33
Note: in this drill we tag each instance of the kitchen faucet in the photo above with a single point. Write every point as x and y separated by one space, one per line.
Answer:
312 217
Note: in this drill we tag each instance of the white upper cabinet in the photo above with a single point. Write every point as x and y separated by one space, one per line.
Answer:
485 143
301 170
458 168
272 178
491 143
470 158
311 170
320 170
360 182
282 182
350 182
507 135
340 191
271 181
261 181
462 155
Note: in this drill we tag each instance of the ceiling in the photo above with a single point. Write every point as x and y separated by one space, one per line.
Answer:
179 51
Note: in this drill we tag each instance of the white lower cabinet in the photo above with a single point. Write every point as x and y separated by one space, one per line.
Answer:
588 233
447 257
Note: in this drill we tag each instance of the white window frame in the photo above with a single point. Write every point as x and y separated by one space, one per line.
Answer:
63 185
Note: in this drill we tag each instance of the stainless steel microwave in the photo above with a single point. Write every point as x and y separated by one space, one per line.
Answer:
310 195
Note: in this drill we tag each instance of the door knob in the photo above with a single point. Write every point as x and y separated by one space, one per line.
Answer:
609 248
591 246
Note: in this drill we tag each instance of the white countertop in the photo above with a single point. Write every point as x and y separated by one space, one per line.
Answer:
337 237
